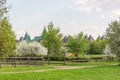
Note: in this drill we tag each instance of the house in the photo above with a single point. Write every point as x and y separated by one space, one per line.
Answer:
28 39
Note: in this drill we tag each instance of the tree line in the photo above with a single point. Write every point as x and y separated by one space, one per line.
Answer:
52 39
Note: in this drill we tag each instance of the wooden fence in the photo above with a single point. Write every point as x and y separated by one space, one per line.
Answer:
27 61
14 61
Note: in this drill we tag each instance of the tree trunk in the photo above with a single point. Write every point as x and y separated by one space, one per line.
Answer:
76 55
0 64
48 57
118 57
64 58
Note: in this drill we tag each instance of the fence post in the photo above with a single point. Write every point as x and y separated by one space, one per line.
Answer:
0 64
64 59
28 61
14 62
42 60
34 61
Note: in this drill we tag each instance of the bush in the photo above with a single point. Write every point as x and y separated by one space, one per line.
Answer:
30 49
96 57
80 57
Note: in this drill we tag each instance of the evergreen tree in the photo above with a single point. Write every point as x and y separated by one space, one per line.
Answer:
7 39
7 36
44 33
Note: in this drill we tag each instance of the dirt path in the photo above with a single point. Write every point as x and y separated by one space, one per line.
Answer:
55 68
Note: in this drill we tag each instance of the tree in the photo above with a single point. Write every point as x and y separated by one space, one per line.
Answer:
84 43
97 46
7 39
52 41
7 36
78 44
44 33
113 38
30 49
3 9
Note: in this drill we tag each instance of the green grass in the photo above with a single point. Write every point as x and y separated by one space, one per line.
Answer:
107 71
24 68
92 63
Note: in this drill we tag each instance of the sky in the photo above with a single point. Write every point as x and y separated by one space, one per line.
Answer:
71 16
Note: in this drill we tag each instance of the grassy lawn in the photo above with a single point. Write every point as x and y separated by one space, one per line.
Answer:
24 68
106 71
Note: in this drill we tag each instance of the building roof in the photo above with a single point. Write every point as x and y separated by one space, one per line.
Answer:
90 38
27 37
37 38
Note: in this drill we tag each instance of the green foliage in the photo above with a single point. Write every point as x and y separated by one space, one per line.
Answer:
78 44
80 57
3 9
7 39
7 36
52 39
113 37
30 49
44 33
97 46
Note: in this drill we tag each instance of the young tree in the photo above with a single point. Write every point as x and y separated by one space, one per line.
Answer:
113 37
97 46
78 44
7 36
52 40
84 43
7 39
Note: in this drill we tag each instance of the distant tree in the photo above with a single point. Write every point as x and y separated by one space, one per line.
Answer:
73 45
52 41
44 33
113 38
7 39
97 46
84 43
78 44
30 49
107 51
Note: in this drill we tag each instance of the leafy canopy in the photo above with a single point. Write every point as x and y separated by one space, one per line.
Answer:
113 37
52 39
7 36
7 39
78 44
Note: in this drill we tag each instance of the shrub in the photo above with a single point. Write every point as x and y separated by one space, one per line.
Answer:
30 49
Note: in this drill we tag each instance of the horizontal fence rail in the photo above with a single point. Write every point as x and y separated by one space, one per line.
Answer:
27 61
23 61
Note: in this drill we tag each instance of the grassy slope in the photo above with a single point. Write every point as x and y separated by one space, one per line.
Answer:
99 73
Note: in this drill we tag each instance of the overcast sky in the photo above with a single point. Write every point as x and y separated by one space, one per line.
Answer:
72 16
